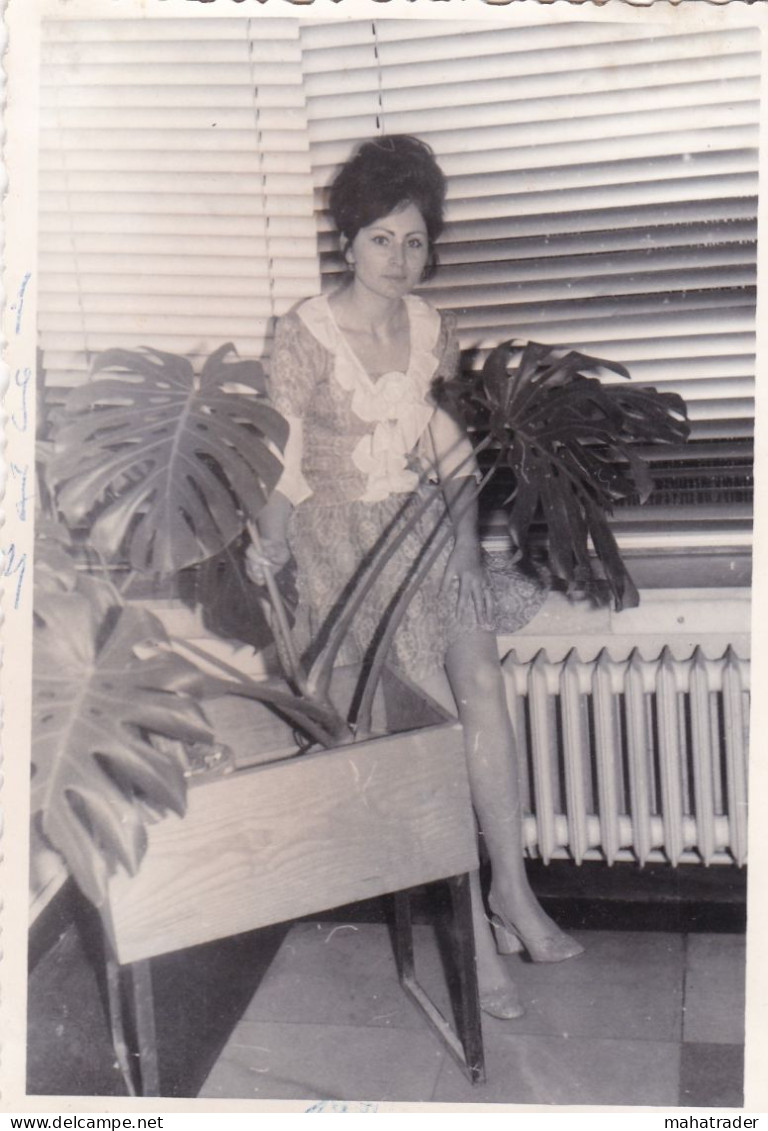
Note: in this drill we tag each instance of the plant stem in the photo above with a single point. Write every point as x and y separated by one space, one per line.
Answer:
329 728
363 728
296 673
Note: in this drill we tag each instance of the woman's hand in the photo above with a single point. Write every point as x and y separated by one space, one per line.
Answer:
272 555
465 566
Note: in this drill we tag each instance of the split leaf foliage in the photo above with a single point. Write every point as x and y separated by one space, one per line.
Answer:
163 462
102 688
570 441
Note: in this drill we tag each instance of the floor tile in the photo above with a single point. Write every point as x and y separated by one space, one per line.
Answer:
714 990
715 951
645 1010
560 1070
274 1061
614 956
711 1076
327 973
712 1015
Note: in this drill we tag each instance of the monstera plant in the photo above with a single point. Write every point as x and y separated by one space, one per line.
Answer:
570 442
102 686
165 468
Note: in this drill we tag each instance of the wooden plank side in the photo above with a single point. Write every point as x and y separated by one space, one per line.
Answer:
276 842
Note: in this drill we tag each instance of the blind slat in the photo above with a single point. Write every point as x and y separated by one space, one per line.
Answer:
70 289
665 340
651 240
178 161
71 355
73 96
116 55
479 296
182 304
193 225
279 130
96 250
112 186
590 264
139 327
197 274
481 326
122 206
236 73
105 30
590 197
661 171
161 117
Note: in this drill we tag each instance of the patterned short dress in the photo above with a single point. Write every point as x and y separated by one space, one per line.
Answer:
361 459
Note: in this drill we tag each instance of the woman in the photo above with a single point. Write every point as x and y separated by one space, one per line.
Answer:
353 374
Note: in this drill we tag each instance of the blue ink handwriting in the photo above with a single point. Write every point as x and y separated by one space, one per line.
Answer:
342 1106
18 306
15 565
22 474
22 379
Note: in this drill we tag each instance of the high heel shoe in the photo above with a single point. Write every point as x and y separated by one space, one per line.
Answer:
503 1003
555 946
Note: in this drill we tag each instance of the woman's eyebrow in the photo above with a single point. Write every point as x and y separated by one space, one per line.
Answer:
389 232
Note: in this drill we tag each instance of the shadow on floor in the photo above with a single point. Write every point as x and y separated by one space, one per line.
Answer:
200 994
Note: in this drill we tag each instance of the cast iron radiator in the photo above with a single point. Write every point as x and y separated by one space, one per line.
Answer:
633 758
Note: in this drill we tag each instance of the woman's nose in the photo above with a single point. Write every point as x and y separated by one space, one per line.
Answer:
397 253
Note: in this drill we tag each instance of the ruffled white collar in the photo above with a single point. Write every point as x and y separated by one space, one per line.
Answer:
398 403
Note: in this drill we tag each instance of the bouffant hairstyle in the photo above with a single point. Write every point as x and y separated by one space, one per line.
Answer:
384 174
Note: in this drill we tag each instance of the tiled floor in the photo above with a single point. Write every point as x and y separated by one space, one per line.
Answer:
640 1019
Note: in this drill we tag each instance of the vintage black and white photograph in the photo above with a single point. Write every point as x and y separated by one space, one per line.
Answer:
393 392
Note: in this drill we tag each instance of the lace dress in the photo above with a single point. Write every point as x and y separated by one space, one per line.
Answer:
358 463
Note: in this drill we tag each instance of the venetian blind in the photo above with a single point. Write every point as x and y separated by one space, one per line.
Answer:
176 199
602 189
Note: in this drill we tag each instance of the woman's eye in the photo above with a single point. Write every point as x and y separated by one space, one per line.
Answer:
380 240
416 244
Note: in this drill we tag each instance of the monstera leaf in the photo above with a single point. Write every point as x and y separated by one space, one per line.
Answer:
97 701
165 462
568 439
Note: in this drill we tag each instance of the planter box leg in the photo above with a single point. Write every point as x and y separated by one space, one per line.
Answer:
470 1027
142 1001
466 1047
140 1062
117 1022
404 937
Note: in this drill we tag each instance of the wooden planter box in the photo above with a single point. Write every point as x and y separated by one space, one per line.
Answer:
272 842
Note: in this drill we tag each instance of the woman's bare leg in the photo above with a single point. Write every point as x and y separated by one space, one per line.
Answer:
492 972
475 676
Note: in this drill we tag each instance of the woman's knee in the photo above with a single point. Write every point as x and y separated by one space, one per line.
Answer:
480 681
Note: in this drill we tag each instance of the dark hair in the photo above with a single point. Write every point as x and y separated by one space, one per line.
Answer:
383 174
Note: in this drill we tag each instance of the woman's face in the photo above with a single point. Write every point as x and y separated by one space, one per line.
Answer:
389 256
